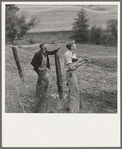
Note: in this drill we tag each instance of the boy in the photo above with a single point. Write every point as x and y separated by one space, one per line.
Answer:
71 64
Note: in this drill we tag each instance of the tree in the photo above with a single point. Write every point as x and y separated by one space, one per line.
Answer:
108 39
112 27
80 27
11 22
17 26
95 35
24 27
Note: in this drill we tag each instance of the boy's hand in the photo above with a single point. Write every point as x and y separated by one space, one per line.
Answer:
86 60
80 59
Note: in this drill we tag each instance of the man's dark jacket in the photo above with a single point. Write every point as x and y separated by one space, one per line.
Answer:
37 59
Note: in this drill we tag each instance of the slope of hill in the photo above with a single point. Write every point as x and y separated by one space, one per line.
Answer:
58 18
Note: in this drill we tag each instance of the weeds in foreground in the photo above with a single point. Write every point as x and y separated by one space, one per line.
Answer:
20 98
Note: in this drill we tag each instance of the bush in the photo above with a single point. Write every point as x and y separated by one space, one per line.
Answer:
95 35
112 27
53 41
32 41
108 39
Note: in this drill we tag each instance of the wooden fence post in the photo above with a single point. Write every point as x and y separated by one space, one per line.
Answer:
59 76
17 63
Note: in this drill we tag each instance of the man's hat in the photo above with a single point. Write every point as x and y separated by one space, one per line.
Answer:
69 44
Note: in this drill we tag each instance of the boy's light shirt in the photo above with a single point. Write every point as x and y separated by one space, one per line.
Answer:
68 58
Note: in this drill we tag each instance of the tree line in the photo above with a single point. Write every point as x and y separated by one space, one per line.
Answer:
94 35
17 27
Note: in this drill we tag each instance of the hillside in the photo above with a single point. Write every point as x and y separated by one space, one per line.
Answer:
58 18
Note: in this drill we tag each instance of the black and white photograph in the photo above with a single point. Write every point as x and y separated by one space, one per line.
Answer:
61 58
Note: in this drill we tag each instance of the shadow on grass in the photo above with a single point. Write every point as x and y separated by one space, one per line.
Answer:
105 102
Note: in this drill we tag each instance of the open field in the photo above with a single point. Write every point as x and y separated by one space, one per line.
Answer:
97 81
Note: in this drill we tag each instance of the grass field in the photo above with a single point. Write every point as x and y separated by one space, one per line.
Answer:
97 81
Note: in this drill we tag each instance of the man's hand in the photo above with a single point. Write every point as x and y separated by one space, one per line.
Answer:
57 48
40 69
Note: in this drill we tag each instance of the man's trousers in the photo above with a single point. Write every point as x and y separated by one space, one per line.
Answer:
42 85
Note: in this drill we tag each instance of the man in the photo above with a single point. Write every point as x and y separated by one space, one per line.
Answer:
71 64
40 63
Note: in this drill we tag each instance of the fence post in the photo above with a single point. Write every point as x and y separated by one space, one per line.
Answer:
17 63
59 75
